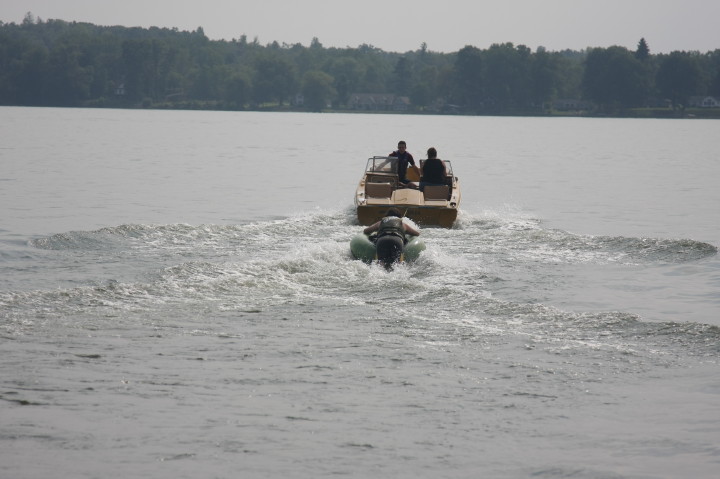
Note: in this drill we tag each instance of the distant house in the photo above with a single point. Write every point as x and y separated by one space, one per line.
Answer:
174 94
441 106
378 102
120 89
571 104
370 101
658 103
704 102
401 103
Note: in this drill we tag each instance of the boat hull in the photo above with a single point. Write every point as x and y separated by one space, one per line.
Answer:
422 215
362 248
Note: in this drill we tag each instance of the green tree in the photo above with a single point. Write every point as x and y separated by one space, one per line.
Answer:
679 76
713 72
208 72
373 79
274 80
507 75
30 72
347 72
544 77
570 74
73 63
468 88
317 90
238 90
614 78
402 76
643 51
68 81
425 87
139 69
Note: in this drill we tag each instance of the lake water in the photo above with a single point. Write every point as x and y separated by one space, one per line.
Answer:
178 299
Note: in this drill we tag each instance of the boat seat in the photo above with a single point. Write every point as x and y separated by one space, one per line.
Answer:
378 190
436 192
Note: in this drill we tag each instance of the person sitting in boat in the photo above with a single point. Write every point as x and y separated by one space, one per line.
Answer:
433 170
404 157
391 231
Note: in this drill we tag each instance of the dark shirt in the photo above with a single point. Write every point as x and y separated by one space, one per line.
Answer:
403 159
391 225
433 171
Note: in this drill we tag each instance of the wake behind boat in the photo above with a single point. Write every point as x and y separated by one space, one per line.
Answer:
380 189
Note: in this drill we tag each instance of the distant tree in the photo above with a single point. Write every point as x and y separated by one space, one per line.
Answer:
238 90
27 78
402 76
544 76
507 75
346 72
679 77
570 82
307 59
139 68
274 79
713 72
208 71
425 86
68 81
643 51
55 62
317 90
468 88
29 19
374 78
614 78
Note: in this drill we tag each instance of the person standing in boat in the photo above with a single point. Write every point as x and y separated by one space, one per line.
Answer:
433 170
404 157
391 236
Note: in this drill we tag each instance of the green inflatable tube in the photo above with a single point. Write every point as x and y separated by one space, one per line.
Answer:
362 248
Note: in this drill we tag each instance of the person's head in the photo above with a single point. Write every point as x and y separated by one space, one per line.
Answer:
401 145
432 153
393 212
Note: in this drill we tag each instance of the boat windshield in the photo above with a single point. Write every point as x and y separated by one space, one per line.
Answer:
382 164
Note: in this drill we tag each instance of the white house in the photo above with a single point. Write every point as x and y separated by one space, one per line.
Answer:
704 101
378 102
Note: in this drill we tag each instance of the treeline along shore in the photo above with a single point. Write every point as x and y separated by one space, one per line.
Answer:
72 64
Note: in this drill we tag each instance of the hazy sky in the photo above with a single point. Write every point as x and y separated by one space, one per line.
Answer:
402 25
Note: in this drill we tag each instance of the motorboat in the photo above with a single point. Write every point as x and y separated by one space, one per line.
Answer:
380 189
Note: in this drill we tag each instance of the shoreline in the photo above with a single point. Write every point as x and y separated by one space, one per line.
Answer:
637 113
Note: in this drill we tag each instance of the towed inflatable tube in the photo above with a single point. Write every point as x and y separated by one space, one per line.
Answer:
363 248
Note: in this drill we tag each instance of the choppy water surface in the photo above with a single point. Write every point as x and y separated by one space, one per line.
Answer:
250 344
